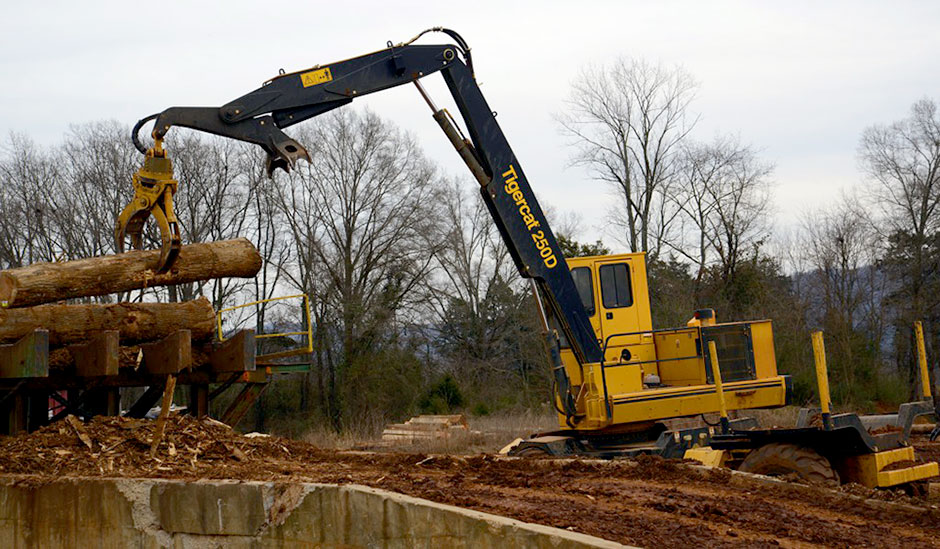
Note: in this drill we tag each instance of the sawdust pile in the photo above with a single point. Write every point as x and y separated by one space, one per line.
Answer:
118 446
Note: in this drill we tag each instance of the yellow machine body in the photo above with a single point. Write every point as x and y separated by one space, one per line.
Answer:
872 470
649 375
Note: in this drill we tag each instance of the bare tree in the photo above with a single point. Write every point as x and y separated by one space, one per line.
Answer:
627 122
466 271
902 161
32 198
99 163
475 254
841 251
265 228
212 203
742 211
722 192
703 168
484 324
363 215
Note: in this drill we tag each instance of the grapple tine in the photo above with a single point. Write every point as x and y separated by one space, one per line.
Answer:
169 232
130 224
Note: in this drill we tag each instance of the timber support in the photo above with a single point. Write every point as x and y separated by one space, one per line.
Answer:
78 358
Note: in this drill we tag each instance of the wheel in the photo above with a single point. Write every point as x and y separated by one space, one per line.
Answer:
779 459
530 451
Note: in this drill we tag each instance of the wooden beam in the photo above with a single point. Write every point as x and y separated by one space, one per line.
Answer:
170 355
242 403
16 410
199 399
128 377
38 410
28 357
49 282
236 354
98 356
103 401
146 401
164 413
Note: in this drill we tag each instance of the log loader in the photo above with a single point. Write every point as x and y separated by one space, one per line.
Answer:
617 381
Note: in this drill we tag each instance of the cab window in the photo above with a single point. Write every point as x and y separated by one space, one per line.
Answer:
585 286
615 286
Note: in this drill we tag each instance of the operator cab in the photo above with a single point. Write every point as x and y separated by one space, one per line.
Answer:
615 294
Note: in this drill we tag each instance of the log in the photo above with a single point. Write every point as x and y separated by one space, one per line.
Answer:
50 282
136 322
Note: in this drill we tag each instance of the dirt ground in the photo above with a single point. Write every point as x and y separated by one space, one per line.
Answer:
648 502
926 450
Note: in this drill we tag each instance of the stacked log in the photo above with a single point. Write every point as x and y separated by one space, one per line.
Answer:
136 322
50 282
30 303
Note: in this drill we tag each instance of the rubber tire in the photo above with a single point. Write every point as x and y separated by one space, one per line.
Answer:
779 459
530 452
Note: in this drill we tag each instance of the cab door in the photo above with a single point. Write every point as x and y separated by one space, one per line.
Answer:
619 312
584 281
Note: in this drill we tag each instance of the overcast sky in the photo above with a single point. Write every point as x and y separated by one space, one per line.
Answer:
798 80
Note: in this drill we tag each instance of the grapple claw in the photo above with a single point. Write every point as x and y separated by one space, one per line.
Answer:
154 188
169 232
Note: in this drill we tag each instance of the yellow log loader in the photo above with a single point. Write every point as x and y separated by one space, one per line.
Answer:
617 380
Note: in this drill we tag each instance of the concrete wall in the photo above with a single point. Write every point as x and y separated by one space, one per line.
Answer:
165 513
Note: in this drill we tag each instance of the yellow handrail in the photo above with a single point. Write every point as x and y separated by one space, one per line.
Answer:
308 332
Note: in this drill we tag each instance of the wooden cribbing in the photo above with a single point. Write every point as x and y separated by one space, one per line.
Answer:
27 357
136 322
98 356
236 354
170 355
50 282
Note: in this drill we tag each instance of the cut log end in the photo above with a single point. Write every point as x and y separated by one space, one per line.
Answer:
7 290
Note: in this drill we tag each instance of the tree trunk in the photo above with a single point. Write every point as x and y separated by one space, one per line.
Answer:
137 322
50 282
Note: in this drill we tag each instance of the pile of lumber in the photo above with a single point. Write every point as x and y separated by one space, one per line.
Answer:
426 427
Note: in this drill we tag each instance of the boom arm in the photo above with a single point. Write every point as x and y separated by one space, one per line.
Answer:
291 98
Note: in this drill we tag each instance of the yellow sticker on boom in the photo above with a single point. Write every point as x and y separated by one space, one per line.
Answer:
313 78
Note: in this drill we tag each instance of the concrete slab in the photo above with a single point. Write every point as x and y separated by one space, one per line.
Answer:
211 508
150 513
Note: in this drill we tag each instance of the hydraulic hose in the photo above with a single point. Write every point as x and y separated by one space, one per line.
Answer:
140 124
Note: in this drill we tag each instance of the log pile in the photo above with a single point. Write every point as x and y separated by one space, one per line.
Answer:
102 346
